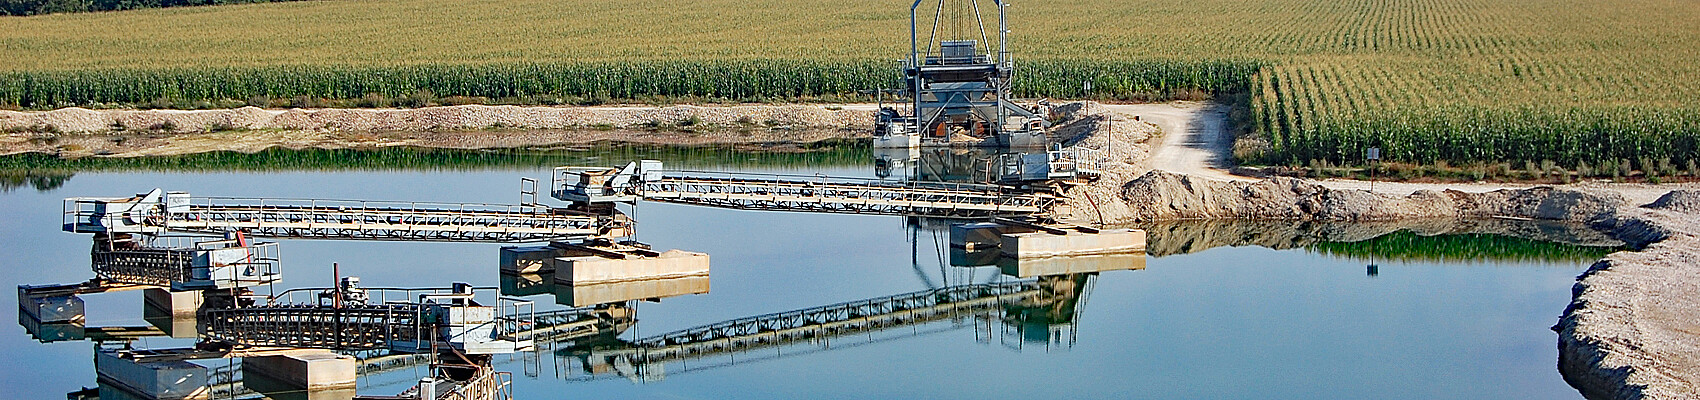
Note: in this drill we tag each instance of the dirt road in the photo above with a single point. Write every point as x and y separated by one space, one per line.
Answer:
1195 137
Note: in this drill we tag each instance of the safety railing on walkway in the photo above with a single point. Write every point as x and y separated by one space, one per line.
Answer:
338 219
841 195
823 321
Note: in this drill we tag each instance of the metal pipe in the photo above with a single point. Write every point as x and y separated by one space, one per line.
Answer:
915 65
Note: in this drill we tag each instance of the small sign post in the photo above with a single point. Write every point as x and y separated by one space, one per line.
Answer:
1372 154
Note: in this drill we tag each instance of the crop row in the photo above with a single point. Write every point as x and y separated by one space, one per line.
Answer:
1334 113
731 80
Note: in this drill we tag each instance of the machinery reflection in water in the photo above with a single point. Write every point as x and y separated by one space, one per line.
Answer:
1015 313
1030 302
312 341
297 342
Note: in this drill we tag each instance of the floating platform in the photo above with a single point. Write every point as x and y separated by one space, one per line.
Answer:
1047 244
519 260
159 380
592 270
47 304
309 370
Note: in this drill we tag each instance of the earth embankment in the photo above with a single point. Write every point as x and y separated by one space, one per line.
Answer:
1632 330
79 132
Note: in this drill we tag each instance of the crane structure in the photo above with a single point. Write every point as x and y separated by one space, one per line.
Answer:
958 86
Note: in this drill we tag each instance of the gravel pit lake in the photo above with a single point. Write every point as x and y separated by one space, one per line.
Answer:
1222 322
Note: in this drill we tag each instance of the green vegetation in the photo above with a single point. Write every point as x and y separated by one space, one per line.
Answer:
36 7
1404 245
1575 83
574 83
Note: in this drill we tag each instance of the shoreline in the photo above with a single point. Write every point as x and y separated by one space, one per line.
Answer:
78 132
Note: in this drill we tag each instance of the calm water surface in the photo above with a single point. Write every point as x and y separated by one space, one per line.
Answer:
1230 322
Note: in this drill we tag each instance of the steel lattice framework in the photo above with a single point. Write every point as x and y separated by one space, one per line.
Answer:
144 266
352 327
368 326
823 321
843 195
372 220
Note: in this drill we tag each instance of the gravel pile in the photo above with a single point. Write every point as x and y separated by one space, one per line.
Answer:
1122 142
1682 201
1632 330
1161 195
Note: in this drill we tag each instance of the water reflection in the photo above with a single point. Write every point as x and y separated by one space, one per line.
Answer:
1453 240
586 295
40 180
1238 322
1037 305
1017 314
1014 313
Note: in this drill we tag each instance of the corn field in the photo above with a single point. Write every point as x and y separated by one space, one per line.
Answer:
1461 81
746 80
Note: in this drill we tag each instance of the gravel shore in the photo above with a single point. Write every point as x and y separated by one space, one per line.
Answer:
1632 330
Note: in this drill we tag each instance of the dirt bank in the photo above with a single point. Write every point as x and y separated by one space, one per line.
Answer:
77 132
1125 146
1632 330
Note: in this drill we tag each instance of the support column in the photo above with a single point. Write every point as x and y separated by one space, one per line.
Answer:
66 308
167 380
172 312
174 304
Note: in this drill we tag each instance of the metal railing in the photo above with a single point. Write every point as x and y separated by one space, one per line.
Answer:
351 327
820 193
373 295
100 214
407 319
144 266
339 219
828 320
384 220
171 260
490 385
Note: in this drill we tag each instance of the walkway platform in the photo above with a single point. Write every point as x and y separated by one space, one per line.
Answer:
160 212
801 193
